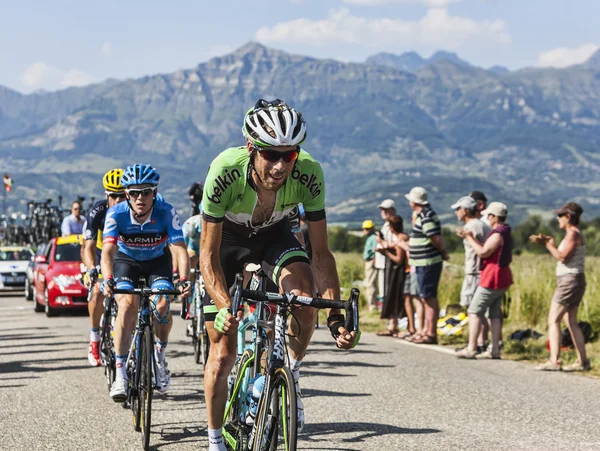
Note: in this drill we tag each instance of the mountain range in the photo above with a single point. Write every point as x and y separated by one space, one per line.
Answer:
529 137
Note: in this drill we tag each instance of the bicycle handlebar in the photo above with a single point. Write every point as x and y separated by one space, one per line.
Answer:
350 306
146 291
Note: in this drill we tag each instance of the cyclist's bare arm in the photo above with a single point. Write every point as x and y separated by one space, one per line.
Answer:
323 262
180 255
106 262
89 251
210 263
325 271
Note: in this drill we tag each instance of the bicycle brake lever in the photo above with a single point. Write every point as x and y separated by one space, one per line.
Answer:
352 311
237 295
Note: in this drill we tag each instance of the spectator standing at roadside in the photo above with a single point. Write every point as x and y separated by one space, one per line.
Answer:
387 209
427 252
495 279
466 210
370 270
481 201
73 224
393 304
570 287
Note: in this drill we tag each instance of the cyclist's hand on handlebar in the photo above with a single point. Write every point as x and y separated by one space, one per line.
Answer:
90 278
107 286
226 323
347 340
185 287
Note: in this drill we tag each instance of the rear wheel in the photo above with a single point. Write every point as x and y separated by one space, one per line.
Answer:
146 385
277 427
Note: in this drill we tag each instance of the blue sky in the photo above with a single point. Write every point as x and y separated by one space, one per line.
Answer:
52 45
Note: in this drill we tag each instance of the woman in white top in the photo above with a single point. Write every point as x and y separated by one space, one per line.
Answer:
570 287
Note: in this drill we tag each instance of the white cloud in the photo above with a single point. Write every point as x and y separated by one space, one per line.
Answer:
565 56
106 48
42 76
436 28
428 3
39 74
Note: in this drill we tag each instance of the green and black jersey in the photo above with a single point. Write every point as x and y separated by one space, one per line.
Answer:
230 196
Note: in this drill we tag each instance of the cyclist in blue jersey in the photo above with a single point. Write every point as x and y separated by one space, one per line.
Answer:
135 237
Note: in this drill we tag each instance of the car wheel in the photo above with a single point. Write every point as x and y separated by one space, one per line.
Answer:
36 305
28 292
50 311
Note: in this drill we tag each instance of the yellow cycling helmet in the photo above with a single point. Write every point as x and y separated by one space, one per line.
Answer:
368 224
112 181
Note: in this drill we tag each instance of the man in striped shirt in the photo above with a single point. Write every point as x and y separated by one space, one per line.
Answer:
427 251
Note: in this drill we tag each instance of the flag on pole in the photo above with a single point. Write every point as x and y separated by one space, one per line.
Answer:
7 183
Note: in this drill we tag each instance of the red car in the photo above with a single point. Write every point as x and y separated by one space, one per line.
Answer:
57 281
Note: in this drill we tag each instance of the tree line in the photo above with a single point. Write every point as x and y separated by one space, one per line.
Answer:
342 239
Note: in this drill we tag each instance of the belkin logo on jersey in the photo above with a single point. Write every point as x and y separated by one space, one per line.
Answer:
222 182
312 183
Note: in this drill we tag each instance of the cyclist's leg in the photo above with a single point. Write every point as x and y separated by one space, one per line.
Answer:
234 253
287 264
125 273
160 275
95 310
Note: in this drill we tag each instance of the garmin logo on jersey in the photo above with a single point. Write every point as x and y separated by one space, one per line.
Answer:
313 185
142 240
222 182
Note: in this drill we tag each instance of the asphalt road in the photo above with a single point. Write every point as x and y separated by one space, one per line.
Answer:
385 395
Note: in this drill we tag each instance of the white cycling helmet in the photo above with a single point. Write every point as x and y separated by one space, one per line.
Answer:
274 117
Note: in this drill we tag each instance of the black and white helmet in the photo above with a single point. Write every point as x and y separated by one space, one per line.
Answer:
274 123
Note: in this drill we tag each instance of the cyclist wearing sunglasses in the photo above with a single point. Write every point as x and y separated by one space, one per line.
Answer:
92 252
135 240
249 193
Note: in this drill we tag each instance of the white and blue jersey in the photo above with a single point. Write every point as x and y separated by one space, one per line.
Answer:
145 241
192 228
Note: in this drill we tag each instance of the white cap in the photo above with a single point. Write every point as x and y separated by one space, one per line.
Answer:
496 209
386 204
417 195
466 202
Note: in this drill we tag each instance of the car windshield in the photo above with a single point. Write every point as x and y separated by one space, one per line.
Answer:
67 253
21 255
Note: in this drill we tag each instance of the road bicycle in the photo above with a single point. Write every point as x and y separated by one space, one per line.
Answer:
275 423
199 333
142 368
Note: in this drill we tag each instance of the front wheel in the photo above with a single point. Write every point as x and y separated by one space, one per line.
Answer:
50 311
146 384
277 427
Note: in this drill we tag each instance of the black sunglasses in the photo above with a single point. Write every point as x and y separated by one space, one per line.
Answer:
135 193
274 155
116 195
560 215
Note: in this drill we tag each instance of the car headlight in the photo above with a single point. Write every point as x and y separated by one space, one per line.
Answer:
64 281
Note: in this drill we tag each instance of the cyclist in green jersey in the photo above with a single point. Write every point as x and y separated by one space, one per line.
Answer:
249 193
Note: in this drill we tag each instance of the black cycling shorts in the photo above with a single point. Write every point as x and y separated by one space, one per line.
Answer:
273 250
157 272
